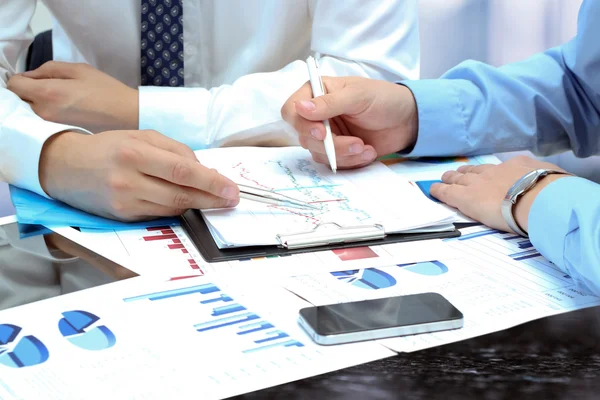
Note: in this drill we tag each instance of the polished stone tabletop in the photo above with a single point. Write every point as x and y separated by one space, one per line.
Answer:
552 358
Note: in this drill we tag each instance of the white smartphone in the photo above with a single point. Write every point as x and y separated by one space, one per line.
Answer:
380 318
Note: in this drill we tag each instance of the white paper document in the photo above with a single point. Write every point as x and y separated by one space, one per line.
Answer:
500 281
168 253
361 197
137 339
423 172
432 168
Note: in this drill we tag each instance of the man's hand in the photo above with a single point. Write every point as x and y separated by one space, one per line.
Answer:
130 175
369 118
477 191
79 95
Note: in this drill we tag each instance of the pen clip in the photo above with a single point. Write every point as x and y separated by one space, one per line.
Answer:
315 66
319 75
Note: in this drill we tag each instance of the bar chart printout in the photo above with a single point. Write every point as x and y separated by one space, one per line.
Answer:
163 243
248 348
218 315
512 255
152 339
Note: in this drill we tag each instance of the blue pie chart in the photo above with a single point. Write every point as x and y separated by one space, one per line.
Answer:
27 350
369 278
75 327
429 268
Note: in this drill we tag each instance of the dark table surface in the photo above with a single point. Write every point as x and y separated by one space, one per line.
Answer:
551 358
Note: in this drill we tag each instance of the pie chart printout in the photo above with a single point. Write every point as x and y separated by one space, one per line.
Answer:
77 327
18 351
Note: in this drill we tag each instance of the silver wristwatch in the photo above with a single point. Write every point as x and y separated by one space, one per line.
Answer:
519 188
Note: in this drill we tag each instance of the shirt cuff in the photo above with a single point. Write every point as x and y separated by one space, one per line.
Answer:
549 220
442 129
176 112
22 157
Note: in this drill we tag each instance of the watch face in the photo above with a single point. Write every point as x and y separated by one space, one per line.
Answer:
524 183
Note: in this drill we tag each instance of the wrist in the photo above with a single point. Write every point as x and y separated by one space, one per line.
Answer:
410 124
128 111
524 203
54 157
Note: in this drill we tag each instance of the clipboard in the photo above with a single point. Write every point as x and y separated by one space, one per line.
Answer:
321 238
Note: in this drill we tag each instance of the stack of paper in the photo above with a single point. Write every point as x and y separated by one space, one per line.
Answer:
362 197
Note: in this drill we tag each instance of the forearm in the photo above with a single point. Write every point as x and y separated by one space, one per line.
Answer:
564 226
547 103
22 132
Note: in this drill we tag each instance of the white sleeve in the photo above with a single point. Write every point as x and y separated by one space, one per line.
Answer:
22 132
376 39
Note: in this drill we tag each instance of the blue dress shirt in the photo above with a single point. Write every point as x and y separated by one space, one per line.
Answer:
547 103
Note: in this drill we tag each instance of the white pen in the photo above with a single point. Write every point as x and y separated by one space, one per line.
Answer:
316 83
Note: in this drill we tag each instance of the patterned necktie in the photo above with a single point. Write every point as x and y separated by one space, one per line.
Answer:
162 43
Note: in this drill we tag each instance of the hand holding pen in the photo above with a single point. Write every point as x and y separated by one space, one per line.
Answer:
316 84
369 118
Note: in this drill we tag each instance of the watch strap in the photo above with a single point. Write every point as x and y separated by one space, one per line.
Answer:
510 200
507 214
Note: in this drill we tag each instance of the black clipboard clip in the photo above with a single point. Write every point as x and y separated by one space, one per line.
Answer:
329 233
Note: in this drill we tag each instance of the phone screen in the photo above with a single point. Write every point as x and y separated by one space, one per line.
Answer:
383 313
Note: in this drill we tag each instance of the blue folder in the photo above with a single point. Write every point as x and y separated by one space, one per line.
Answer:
34 212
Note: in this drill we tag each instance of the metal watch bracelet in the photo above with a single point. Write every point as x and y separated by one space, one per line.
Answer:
519 188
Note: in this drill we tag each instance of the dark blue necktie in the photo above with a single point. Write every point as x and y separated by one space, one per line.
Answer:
162 43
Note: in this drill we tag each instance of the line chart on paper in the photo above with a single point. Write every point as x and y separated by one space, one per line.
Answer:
371 195
300 179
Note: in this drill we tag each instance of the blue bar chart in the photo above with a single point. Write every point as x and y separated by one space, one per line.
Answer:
514 246
223 315
167 294
226 321
505 252
232 308
475 235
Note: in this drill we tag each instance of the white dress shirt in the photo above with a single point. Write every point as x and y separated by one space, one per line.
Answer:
243 59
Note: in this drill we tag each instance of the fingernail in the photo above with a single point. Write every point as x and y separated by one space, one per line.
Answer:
356 148
315 133
230 192
232 203
368 155
309 105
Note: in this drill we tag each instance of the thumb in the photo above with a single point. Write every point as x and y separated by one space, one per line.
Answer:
330 105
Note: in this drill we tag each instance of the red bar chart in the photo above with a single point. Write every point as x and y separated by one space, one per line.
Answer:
164 243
